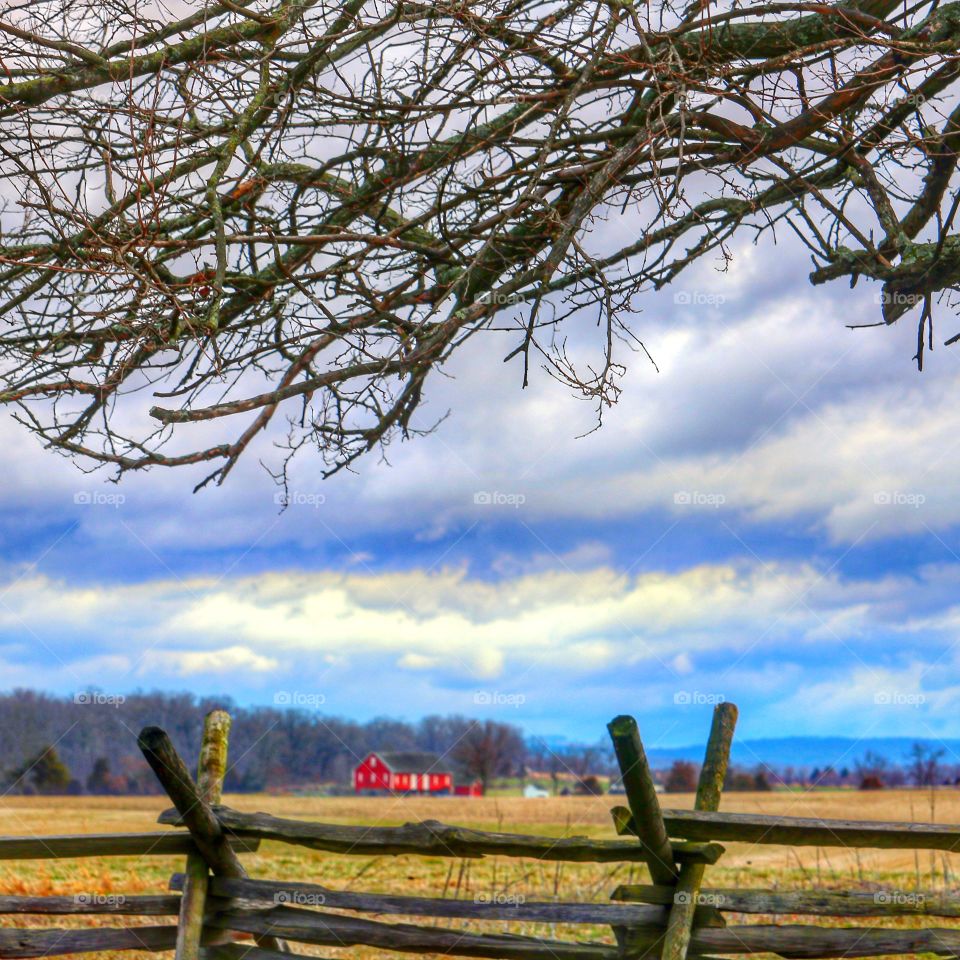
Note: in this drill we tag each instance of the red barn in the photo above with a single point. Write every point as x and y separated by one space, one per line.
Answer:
472 789
408 772
402 772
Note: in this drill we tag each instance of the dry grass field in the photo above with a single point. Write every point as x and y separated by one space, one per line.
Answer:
743 864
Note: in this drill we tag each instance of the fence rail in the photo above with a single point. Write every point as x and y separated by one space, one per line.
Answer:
811 832
430 838
800 902
159 844
674 917
149 905
280 892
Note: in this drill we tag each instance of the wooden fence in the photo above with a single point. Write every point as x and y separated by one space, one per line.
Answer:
674 916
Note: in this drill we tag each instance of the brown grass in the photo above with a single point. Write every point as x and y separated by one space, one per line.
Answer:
743 864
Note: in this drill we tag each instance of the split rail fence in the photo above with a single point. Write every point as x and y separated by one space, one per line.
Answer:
215 903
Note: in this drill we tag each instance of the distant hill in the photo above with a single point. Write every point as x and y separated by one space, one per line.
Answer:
808 751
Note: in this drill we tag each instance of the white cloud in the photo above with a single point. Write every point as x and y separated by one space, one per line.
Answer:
449 619
222 662
766 400
417 661
682 663
795 640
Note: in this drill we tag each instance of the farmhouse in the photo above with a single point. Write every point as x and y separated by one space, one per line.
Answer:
411 772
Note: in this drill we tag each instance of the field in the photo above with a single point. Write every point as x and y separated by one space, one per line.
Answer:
743 864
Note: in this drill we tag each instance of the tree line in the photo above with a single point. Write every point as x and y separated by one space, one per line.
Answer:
922 766
87 744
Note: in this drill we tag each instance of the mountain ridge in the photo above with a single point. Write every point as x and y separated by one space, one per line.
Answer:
807 751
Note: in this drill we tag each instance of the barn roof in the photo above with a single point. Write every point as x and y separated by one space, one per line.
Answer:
412 761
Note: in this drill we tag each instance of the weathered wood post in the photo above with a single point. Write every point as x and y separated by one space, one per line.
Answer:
211 769
642 798
644 816
198 816
676 941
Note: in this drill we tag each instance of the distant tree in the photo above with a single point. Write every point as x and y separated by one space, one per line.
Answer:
828 777
490 749
556 766
440 735
739 780
681 777
924 765
49 773
103 781
895 776
45 772
590 786
871 771
761 780
542 756
252 778
138 775
99 781
581 759
385 733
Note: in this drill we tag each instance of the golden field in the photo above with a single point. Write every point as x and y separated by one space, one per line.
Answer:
742 865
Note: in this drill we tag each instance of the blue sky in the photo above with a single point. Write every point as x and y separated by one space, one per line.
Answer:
771 518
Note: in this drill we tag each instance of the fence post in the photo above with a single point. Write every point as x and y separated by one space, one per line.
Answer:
196 813
211 769
642 798
676 940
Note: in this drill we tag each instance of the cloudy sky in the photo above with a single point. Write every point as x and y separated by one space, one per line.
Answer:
770 519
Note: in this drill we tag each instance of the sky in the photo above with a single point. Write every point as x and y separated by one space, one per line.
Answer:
769 518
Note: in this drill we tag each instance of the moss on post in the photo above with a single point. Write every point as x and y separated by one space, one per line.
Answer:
211 770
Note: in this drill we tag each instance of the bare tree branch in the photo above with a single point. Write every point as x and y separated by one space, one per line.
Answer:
308 206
